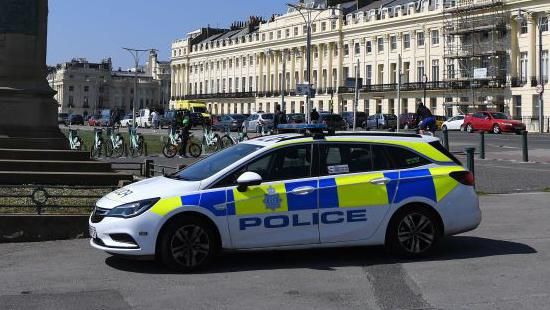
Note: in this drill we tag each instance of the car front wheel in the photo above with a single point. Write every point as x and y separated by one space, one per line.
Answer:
188 244
413 232
469 128
496 129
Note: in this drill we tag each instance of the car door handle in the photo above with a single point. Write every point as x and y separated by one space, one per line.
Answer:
302 190
380 181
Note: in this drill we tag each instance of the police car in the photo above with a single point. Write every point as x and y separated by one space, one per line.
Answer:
294 191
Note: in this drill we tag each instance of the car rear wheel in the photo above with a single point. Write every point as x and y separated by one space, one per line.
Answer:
413 232
469 128
496 129
188 244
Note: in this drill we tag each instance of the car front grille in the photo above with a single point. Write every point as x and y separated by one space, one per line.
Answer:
98 214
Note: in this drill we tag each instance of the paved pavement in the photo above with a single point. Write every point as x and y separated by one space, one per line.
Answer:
504 264
503 147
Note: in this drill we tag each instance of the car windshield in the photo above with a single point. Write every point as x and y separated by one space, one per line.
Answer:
499 116
215 163
199 109
297 116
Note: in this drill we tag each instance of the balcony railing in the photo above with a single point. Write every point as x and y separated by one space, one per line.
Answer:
218 95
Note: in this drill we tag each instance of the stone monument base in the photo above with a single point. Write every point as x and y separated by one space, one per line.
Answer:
26 120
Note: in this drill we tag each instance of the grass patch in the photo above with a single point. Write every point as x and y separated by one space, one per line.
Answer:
547 189
59 200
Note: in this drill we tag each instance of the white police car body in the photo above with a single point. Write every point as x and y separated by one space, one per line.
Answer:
293 191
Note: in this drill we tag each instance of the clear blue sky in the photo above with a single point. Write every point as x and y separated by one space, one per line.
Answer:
95 29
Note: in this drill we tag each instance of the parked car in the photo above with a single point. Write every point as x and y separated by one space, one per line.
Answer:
454 123
144 118
496 122
408 121
295 118
105 121
198 119
126 120
380 121
232 121
75 119
62 118
359 119
94 120
255 121
439 120
333 121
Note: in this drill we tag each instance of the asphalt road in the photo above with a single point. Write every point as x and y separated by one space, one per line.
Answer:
504 264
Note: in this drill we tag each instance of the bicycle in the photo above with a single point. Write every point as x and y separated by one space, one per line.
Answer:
210 140
115 143
173 146
95 151
75 142
136 143
228 140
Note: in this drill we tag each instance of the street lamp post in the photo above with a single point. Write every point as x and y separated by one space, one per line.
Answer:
309 20
425 80
136 54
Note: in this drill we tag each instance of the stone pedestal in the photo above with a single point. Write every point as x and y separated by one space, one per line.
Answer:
27 107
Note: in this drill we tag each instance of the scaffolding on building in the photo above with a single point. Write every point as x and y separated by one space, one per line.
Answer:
476 44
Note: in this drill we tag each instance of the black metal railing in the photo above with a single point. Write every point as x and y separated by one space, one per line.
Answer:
50 199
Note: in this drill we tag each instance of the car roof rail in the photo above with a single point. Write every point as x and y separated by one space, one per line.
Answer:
379 134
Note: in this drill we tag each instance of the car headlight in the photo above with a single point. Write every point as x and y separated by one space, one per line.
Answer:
132 209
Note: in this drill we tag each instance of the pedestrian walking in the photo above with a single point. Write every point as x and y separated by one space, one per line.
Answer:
155 118
314 116
425 119
185 128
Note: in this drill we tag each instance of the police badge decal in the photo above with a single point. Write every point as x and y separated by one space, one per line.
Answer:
272 200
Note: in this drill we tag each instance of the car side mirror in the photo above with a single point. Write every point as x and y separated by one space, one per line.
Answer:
248 179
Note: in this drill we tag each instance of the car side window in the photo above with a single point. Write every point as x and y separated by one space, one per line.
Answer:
284 164
478 115
405 159
345 158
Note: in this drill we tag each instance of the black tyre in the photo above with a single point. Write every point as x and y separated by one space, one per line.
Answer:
141 146
170 150
413 232
95 152
195 150
109 149
80 144
118 151
188 244
469 128
496 129
226 142
444 127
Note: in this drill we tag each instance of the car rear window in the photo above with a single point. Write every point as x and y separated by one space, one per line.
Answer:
390 116
446 152
332 117
267 116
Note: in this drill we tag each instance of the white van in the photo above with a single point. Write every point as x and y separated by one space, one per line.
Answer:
144 118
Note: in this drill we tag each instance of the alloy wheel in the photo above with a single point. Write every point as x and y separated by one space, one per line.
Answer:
190 246
416 233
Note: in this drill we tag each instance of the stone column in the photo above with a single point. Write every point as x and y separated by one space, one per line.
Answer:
532 68
26 98
514 49
293 69
330 60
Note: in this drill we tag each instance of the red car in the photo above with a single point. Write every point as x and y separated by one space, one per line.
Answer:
94 120
495 122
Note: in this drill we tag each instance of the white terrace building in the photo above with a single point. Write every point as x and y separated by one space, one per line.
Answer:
474 54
